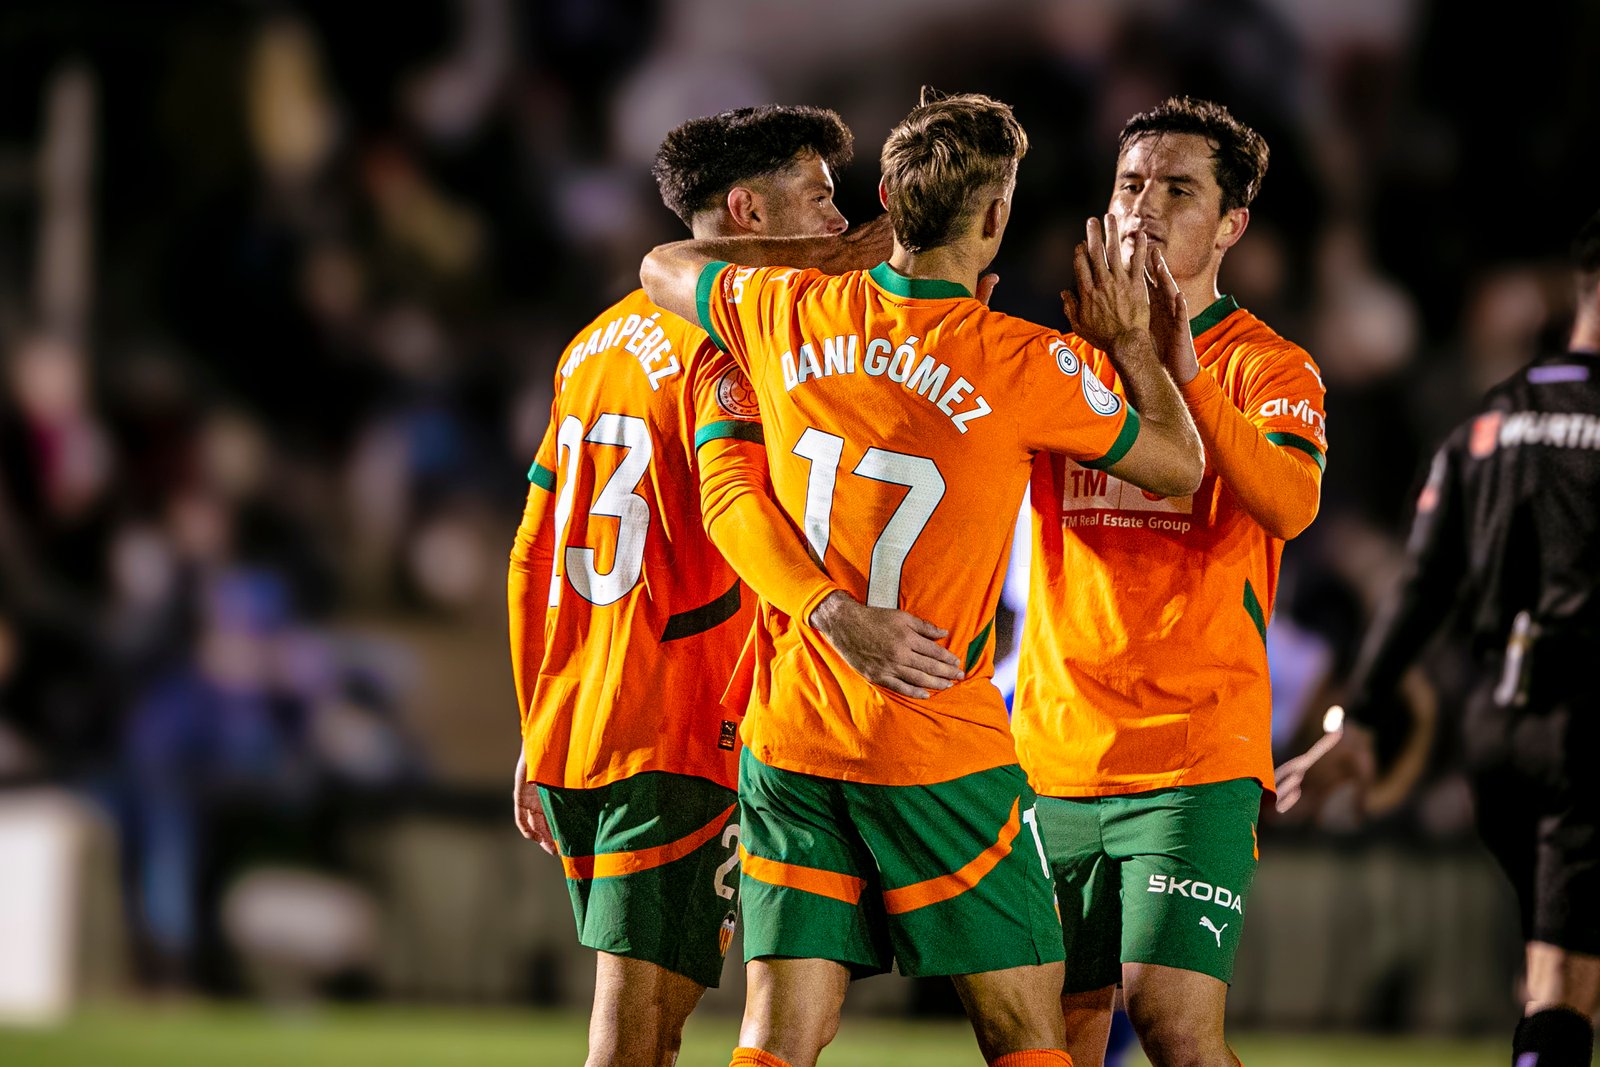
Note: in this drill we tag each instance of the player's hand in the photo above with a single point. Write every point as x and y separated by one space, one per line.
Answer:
1112 297
862 247
1169 321
1342 756
528 810
889 648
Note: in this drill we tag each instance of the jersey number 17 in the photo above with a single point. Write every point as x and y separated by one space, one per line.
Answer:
924 489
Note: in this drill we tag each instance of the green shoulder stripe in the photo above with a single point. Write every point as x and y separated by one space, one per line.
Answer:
977 645
702 299
1294 440
739 429
1119 447
543 477
1252 606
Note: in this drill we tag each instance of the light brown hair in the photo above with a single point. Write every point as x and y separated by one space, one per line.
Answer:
942 159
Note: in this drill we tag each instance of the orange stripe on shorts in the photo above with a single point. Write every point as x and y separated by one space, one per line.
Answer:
842 887
945 886
612 864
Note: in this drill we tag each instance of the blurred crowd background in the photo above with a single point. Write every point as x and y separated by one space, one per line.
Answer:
282 288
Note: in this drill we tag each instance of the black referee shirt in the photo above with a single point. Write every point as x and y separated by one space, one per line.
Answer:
1508 521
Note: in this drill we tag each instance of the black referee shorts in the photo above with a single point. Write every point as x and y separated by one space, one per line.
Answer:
1537 790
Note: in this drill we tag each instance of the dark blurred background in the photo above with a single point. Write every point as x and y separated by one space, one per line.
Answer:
282 288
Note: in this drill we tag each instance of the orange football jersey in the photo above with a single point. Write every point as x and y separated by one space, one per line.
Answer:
645 620
1144 661
901 417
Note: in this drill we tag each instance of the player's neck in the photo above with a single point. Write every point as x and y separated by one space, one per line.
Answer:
1200 292
949 263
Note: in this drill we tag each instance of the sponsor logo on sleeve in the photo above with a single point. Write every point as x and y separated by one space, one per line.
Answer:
736 395
1102 400
1284 408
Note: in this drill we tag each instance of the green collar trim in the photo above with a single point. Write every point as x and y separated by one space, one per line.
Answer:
1224 306
894 282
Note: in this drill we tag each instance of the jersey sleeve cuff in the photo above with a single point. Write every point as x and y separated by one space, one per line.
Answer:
824 588
702 299
543 477
1119 447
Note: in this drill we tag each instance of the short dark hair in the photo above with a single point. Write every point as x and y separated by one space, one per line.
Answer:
1586 246
1240 152
941 158
701 160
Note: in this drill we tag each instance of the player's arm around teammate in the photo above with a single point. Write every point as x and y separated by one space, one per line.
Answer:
886 646
626 622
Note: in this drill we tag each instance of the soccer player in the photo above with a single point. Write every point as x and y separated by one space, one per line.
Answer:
1507 539
1143 707
625 621
901 417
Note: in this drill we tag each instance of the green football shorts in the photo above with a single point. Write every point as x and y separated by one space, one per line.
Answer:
1159 877
943 879
650 864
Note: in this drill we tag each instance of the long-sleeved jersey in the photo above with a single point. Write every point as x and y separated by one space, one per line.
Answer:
1144 658
1507 522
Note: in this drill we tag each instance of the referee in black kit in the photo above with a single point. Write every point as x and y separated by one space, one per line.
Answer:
1507 533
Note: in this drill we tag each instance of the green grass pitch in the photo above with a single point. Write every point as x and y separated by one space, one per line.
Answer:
395 1036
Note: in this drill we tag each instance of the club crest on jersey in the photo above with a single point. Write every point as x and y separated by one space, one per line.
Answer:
736 395
1101 399
728 739
1066 358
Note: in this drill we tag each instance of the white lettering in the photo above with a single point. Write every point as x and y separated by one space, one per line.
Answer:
809 368
665 372
839 354
1194 889
904 356
928 379
958 392
978 412
875 363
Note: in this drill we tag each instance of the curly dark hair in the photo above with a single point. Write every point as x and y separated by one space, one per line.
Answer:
939 161
701 160
1240 152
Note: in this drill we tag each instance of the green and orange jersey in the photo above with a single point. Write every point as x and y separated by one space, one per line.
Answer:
642 619
1144 660
901 419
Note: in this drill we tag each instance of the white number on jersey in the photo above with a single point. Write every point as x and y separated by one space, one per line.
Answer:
618 500
925 488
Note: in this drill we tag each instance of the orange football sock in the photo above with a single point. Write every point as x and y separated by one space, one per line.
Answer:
1034 1057
754 1057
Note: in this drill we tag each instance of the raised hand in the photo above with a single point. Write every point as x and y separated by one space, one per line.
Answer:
1112 296
1169 321
889 648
